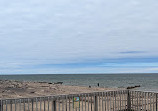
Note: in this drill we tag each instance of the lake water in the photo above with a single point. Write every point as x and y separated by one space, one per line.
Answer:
148 82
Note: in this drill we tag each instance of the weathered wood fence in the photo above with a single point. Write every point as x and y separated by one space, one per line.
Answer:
125 100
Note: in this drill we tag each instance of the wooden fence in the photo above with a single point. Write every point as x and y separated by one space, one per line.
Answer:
125 100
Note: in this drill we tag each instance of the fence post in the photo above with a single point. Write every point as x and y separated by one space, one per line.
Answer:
11 105
96 102
32 104
156 101
1 105
54 105
128 101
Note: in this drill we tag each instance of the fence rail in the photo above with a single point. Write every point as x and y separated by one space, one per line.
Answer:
125 100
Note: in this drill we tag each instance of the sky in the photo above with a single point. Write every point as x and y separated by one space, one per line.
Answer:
78 36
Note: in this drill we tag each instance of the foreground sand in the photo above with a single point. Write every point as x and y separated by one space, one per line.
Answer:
18 89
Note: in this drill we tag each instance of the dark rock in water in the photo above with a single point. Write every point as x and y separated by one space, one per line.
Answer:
58 83
50 83
137 86
89 86
132 87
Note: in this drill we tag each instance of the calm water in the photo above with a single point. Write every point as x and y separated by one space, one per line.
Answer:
148 82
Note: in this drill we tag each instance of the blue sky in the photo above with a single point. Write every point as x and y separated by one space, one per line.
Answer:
78 36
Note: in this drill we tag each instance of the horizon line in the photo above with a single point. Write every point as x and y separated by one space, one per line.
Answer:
75 74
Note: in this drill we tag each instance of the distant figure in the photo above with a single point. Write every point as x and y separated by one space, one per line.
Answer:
98 84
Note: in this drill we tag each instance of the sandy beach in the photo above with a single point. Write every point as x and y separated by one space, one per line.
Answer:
19 89
105 101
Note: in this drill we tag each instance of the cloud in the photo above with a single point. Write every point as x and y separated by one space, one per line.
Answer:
131 52
76 32
155 69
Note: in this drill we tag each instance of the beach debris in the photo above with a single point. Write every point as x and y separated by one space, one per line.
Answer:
32 92
3 91
58 83
42 82
45 86
132 87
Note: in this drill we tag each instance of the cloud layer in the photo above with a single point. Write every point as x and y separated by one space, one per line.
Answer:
36 33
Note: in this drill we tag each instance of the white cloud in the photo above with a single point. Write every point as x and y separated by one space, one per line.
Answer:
65 31
155 69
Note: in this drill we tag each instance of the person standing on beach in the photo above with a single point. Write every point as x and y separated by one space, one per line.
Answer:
98 84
